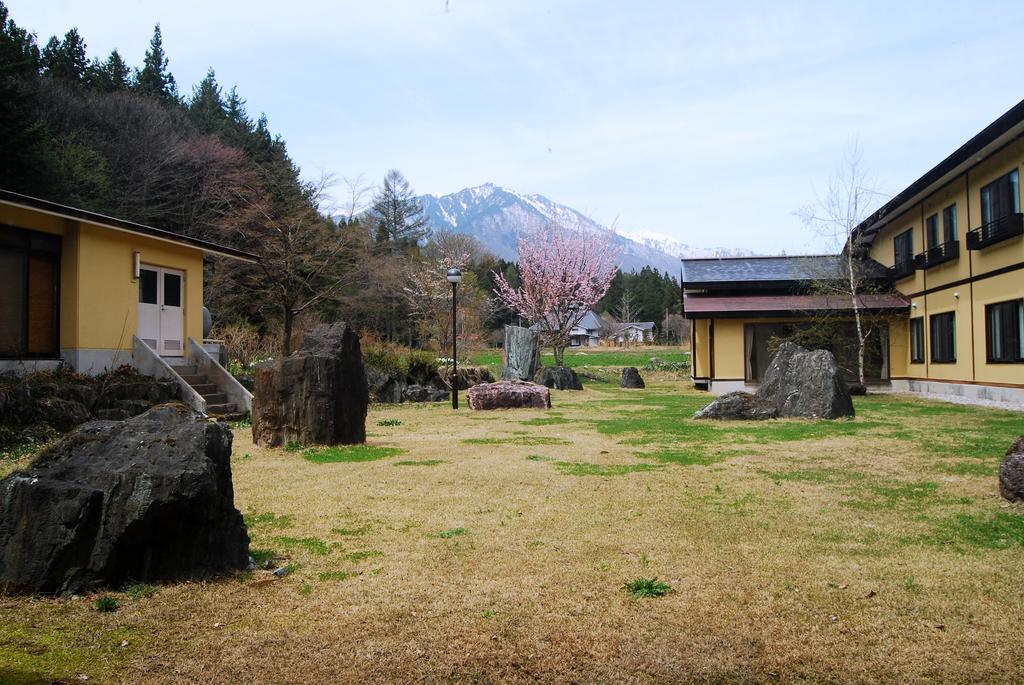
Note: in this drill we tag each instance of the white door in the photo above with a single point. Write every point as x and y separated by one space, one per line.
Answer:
161 310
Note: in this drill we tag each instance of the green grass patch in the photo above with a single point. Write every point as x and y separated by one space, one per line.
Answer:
452 533
389 422
647 587
293 447
421 462
362 554
582 468
338 575
969 468
539 457
526 440
811 475
546 421
310 544
349 453
998 530
262 556
141 591
352 532
106 604
267 520
891 495
693 456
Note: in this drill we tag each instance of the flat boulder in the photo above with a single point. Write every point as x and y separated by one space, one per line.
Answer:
558 378
631 378
512 394
316 396
147 499
1011 472
739 405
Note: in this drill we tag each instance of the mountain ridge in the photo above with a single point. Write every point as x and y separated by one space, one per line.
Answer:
493 214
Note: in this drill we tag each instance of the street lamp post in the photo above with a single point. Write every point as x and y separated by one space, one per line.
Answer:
454 277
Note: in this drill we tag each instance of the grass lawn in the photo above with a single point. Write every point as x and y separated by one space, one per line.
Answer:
608 540
595 356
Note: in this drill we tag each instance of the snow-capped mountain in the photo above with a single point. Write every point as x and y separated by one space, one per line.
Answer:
493 215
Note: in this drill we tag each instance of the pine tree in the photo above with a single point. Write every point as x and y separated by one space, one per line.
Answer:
154 79
401 223
66 59
207 107
110 76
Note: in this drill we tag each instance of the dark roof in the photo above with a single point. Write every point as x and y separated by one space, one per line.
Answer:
724 307
641 325
998 132
746 272
123 225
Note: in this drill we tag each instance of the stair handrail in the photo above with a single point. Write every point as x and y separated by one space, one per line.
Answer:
220 376
149 363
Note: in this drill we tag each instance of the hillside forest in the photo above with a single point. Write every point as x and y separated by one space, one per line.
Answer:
97 133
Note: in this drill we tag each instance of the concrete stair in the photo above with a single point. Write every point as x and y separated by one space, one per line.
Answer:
217 403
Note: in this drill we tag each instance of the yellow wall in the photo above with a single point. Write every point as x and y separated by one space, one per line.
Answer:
109 295
699 354
729 355
99 296
933 290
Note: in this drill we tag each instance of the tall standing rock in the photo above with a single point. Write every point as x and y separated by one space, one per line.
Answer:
1011 472
805 384
145 499
522 354
317 396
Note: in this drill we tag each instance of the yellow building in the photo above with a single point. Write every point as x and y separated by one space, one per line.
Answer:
96 292
953 245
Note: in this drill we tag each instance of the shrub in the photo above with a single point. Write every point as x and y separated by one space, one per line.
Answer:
106 604
647 587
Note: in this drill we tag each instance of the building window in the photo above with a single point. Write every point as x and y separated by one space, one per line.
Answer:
29 278
903 245
917 340
1004 329
949 223
931 231
1000 198
943 330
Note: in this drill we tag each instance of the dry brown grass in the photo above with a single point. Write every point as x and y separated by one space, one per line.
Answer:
776 578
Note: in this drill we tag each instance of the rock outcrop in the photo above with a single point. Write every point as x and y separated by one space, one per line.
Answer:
146 499
558 378
512 394
521 355
631 378
316 396
1011 472
798 383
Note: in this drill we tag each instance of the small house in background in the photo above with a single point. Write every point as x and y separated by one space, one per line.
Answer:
632 333
95 292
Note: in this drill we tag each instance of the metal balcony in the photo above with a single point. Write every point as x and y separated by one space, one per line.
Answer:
902 269
997 231
939 254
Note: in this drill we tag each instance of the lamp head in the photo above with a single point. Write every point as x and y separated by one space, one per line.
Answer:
454 276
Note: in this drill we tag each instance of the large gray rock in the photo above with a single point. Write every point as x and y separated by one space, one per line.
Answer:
316 396
385 387
738 406
798 383
521 355
558 377
1011 472
426 393
146 499
509 395
631 378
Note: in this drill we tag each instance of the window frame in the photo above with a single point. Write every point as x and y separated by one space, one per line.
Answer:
29 245
1012 179
917 340
934 339
932 232
989 359
949 223
909 251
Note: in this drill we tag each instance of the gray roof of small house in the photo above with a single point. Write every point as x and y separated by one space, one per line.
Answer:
590 322
642 325
769 270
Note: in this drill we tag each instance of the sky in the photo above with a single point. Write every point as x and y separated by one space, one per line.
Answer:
711 123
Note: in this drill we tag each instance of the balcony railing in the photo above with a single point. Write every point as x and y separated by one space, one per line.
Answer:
902 269
997 231
939 254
